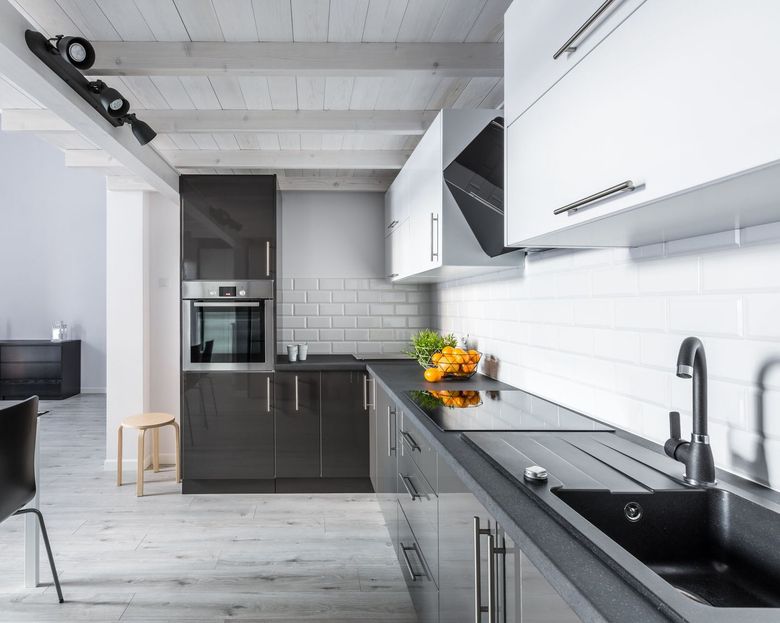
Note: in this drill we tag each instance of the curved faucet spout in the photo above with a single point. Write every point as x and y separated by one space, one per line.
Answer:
692 364
696 455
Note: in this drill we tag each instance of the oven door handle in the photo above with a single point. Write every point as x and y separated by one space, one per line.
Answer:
227 304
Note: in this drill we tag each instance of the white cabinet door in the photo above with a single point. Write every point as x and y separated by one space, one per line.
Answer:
681 95
396 202
425 178
397 251
536 30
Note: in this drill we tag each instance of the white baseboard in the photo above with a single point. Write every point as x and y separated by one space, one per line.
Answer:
129 465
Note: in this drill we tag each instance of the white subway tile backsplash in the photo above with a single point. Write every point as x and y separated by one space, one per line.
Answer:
763 316
317 296
332 284
356 334
331 309
714 314
305 284
356 309
347 315
599 331
345 296
305 309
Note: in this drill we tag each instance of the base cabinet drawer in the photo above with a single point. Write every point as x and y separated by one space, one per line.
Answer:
412 443
417 573
421 508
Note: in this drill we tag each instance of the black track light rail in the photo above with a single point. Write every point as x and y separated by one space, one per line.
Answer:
97 93
40 46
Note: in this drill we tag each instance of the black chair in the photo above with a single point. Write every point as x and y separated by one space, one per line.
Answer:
18 426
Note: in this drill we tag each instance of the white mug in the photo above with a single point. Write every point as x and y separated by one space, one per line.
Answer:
292 353
303 351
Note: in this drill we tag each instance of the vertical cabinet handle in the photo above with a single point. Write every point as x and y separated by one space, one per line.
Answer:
479 609
367 402
296 392
390 429
434 236
268 258
268 394
569 45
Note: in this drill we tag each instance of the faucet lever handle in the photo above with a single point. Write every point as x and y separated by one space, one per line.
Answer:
674 425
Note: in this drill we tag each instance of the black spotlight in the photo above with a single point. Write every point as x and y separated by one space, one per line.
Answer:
142 131
110 99
76 50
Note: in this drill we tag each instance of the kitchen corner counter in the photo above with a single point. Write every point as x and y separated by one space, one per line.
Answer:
596 587
323 363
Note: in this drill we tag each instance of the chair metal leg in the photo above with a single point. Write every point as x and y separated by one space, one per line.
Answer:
46 543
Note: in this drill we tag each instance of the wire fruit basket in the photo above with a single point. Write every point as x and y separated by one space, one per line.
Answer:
455 363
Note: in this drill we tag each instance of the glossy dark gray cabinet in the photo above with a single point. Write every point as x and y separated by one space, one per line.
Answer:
297 414
228 226
387 461
227 426
344 423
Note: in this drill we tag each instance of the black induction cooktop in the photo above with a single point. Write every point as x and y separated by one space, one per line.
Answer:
506 410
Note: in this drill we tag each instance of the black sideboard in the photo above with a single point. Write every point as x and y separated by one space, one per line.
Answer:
50 370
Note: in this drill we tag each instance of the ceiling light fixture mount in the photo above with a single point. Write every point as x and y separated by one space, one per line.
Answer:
68 57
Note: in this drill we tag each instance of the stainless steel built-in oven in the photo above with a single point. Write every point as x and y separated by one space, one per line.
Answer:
228 325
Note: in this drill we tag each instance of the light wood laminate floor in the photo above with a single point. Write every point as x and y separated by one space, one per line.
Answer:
198 558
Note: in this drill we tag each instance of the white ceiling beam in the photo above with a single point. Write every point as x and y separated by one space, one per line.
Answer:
255 159
126 183
397 122
133 58
335 182
19 65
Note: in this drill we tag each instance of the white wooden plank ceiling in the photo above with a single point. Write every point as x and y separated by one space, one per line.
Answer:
211 102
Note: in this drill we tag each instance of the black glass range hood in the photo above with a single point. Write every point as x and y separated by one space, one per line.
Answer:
476 180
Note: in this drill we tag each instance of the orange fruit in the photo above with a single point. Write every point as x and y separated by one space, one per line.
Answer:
432 375
474 356
468 368
447 350
435 358
447 365
460 402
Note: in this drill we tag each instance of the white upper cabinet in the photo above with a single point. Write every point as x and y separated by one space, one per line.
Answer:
427 236
669 128
546 38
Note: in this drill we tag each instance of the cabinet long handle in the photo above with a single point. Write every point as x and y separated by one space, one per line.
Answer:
296 392
371 403
392 224
268 394
569 45
626 186
410 488
434 235
390 429
413 445
412 574
365 392
479 609
268 258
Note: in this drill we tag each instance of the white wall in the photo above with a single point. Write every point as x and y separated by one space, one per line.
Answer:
143 317
332 290
52 250
599 331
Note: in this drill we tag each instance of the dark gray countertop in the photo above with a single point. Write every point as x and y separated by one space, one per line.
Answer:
329 362
595 576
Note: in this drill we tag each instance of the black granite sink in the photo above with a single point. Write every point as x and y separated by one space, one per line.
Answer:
715 547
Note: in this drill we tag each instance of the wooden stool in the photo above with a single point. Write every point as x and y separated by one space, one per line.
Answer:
144 422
